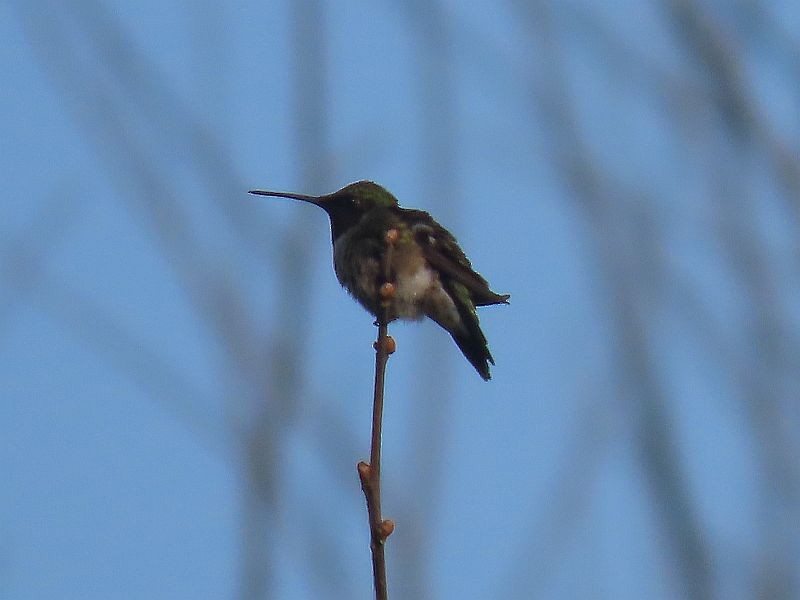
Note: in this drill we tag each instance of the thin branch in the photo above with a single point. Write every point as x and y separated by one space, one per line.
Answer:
370 474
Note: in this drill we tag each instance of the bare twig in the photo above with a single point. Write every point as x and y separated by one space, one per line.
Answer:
370 474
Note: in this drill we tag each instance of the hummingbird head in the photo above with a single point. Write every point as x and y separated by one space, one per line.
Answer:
363 195
346 206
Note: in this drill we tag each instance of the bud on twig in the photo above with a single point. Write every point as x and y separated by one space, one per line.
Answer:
386 528
387 291
392 235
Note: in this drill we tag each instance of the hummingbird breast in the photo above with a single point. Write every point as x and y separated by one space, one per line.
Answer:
358 262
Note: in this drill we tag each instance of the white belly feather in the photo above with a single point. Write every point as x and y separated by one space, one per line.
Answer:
411 289
419 293
418 290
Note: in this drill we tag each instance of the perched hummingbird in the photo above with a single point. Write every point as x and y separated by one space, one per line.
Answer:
431 274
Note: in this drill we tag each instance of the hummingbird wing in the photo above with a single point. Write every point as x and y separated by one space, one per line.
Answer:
466 288
443 253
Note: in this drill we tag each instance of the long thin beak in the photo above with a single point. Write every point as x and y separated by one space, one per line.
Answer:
303 197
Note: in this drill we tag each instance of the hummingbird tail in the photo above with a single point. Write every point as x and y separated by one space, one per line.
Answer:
468 337
465 328
474 347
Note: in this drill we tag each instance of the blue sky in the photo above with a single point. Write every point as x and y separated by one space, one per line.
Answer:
131 252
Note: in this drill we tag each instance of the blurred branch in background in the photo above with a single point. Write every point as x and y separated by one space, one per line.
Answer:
183 140
544 544
771 358
23 255
274 411
610 211
425 461
140 172
131 91
699 84
28 280
733 93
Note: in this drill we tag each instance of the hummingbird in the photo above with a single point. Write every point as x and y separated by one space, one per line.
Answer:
431 274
